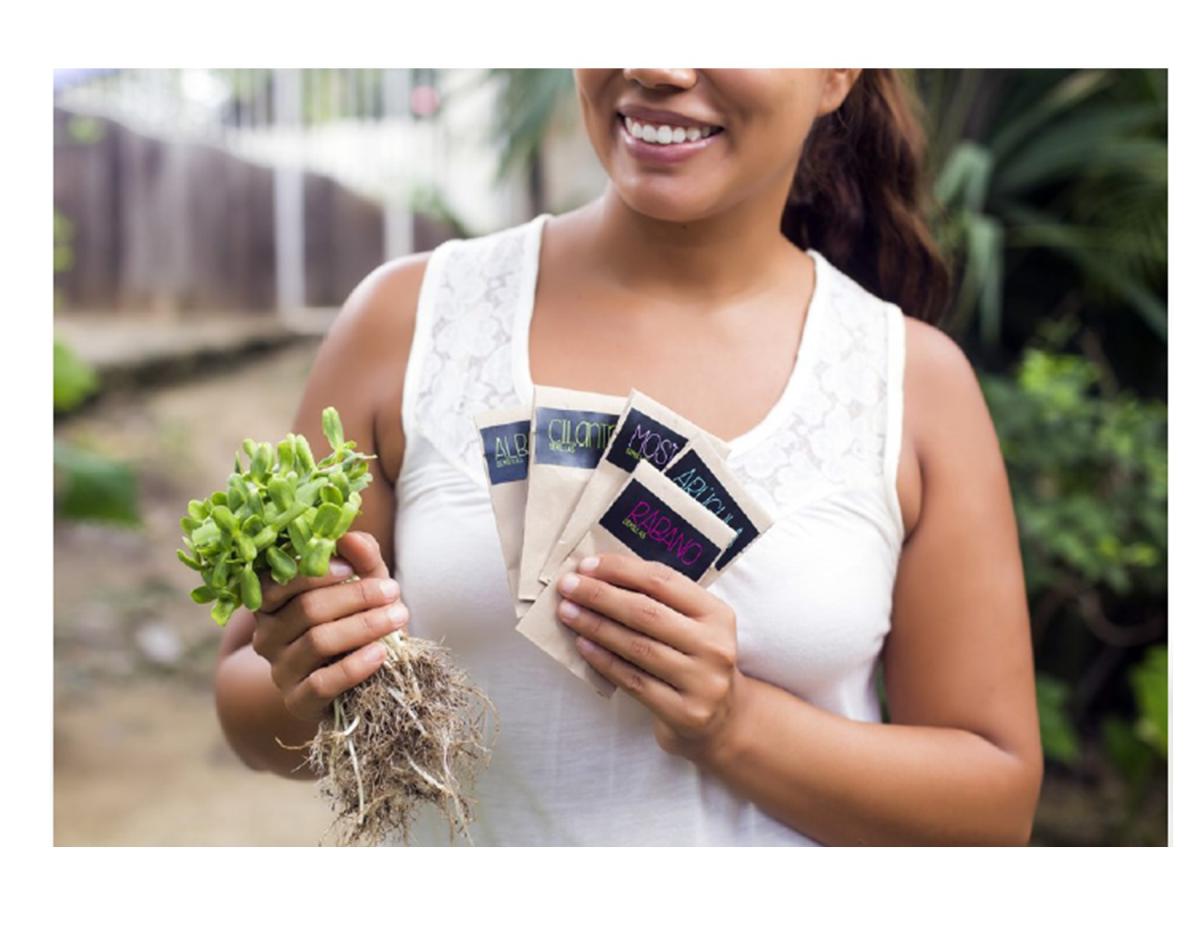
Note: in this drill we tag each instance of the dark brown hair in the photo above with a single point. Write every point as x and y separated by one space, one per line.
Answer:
860 196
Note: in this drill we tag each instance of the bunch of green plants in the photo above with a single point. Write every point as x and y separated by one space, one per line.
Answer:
282 513
1088 466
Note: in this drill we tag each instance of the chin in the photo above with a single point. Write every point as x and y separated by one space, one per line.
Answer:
666 206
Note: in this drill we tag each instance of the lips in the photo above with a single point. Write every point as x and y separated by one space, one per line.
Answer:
652 153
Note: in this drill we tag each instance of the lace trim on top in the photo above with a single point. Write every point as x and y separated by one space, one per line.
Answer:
836 434
836 425
463 338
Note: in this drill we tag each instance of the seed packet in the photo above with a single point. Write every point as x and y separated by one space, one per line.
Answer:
504 434
570 430
647 430
651 517
701 472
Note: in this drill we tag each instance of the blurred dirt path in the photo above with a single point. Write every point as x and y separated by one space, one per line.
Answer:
139 756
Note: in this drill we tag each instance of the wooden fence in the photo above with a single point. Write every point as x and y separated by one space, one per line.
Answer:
180 226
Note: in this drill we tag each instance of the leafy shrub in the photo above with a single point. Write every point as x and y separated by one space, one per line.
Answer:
1088 469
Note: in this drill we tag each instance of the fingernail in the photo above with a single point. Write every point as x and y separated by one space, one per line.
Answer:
568 582
389 588
398 614
340 568
375 653
569 610
587 564
585 645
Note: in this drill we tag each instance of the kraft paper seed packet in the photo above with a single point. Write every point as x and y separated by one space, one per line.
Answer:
504 435
651 517
647 430
701 472
569 434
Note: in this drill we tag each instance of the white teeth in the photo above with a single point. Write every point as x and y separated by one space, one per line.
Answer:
665 135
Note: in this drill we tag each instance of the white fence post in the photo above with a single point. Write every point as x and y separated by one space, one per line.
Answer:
289 199
397 209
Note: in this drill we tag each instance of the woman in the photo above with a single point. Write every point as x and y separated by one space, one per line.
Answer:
747 712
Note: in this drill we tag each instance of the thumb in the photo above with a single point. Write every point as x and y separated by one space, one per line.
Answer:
361 551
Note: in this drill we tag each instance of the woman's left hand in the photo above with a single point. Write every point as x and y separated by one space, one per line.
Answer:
662 638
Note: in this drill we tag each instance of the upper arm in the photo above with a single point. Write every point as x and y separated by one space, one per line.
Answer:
959 652
359 369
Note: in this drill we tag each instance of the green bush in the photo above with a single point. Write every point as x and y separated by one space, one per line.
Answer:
1088 468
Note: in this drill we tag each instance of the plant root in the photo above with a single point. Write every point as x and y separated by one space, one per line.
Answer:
412 732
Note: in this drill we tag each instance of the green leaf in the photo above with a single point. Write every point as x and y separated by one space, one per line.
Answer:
224 518
1149 682
1059 740
304 456
1089 140
1070 92
326 520
95 487
246 548
283 567
280 490
251 588
74 380
331 425
202 595
965 177
222 609
188 560
315 561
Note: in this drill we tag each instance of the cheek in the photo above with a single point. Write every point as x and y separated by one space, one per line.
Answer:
770 111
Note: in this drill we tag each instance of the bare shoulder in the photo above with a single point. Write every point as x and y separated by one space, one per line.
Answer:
382 307
933 358
944 404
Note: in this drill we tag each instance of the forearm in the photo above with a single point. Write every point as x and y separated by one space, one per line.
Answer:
252 714
848 782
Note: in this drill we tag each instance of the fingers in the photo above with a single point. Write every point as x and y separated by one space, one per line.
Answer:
635 610
361 551
275 596
311 698
360 556
315 607
333 640
655 694
646 653
656 580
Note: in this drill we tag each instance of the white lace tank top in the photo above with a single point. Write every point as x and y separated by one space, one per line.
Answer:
813 596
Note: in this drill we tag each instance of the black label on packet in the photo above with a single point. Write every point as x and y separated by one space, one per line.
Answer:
572 437
506 450
691 475
654 531
643 438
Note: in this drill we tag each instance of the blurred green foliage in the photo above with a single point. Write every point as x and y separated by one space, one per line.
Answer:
88 485
1051 204
1089 482
1089 476
1071 164
74 381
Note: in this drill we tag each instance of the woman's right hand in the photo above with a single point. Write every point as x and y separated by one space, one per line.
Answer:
321 634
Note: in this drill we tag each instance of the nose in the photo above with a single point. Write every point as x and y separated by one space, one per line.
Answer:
655 78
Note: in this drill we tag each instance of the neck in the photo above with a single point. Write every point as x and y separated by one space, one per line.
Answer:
730 256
